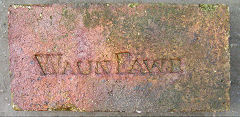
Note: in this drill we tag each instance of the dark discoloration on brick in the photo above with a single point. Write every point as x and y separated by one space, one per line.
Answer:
119 57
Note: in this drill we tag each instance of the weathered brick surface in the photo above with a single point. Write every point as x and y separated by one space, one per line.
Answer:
119 57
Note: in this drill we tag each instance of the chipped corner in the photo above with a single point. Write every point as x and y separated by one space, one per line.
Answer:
14 106
15 6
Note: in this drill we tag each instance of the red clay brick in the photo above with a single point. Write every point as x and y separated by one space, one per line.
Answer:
119 57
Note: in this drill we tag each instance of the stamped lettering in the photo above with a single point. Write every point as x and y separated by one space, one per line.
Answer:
51 64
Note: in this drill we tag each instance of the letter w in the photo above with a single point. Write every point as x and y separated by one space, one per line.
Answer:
49 63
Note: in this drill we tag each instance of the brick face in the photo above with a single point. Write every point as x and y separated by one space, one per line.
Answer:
119 57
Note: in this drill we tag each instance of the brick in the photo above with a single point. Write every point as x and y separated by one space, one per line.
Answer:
119 57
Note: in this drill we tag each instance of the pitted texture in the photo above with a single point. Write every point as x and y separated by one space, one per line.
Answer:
119 57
